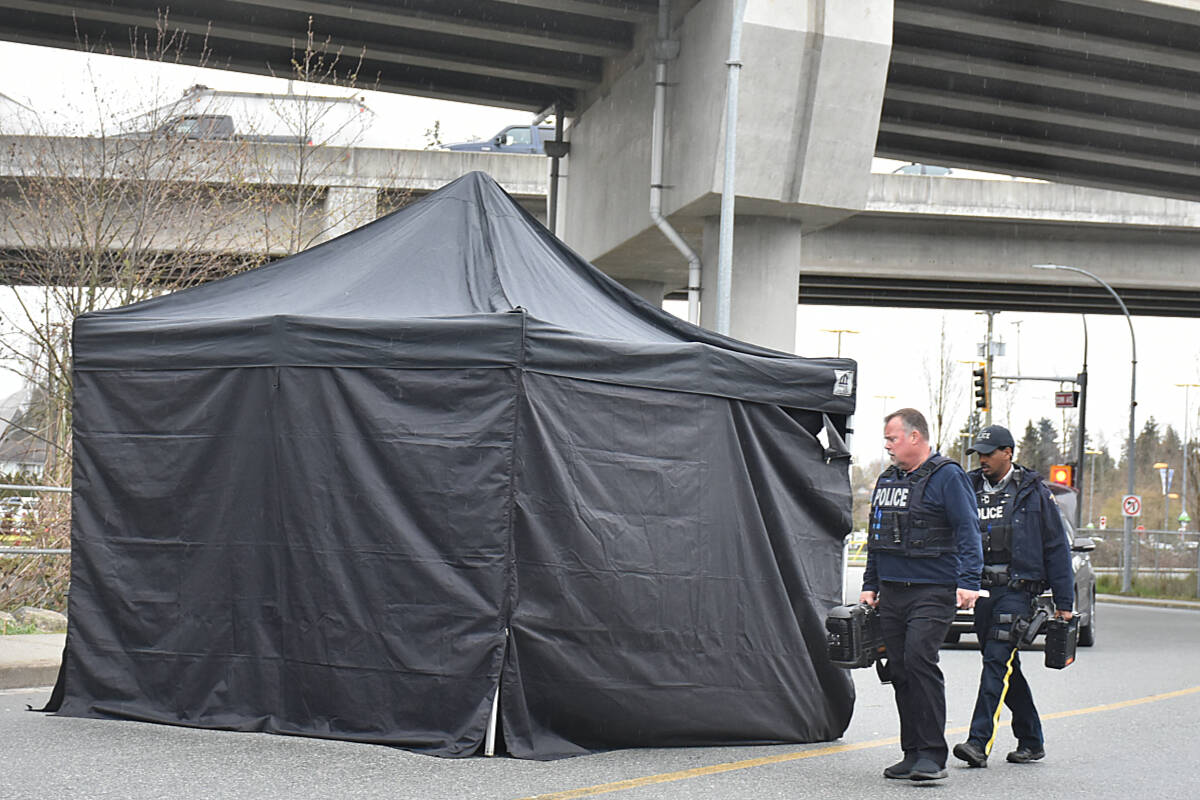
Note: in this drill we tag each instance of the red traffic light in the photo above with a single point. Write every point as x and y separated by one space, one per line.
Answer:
1061 473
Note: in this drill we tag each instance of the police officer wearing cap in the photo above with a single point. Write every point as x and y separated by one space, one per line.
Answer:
1025 549
923 560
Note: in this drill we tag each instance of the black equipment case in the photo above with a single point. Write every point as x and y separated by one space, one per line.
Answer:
853 636
1061 638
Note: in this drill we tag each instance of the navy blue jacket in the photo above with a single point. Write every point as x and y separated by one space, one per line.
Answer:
949 493
1040 550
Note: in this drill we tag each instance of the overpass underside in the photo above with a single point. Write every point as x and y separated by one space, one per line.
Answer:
898 292
1092 93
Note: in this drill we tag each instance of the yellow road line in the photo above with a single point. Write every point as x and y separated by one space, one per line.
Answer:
732 766
668 777
1154 698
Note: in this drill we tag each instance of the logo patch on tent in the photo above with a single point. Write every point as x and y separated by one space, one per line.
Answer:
843 382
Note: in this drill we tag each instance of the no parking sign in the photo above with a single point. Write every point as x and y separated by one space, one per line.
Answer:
1131 505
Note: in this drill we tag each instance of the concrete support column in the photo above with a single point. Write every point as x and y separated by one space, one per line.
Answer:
811 93
766 280
347 208
652 292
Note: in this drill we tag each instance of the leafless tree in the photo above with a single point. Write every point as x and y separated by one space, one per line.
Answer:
945 395
98 221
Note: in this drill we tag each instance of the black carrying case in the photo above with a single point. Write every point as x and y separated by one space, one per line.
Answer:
853 636
1061 638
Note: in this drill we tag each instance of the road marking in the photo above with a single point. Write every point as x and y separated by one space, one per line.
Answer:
732 766
1154 698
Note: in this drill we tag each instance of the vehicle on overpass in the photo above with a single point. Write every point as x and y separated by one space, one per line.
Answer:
211 127
513 139
204 113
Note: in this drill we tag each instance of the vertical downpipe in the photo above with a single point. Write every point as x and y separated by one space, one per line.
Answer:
664 50
552 211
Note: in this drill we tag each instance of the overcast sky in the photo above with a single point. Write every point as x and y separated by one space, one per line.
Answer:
896 348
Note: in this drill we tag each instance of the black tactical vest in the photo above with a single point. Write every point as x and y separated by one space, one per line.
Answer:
901 521
995 522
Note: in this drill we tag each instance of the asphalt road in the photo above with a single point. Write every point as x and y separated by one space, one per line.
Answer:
1122 722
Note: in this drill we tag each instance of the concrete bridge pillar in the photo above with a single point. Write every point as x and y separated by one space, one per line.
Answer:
347 208
766 280
808 116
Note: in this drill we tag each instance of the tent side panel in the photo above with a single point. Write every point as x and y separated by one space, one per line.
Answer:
171 560
661 600
317 551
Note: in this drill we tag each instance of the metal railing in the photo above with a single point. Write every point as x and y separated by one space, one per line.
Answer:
21 550
1155 553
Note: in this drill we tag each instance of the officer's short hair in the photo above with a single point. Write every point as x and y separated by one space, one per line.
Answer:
913 421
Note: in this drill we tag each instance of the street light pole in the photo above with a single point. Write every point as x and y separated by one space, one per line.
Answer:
1127 571
1082 382
1186 410
839 332
1183 497
883 398
1092 491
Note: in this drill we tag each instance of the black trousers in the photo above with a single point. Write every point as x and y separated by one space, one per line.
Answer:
914 619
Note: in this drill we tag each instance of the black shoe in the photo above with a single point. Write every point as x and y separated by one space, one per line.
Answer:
927 770
971 753
901 770
1023 754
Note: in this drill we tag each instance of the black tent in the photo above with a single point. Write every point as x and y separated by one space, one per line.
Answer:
355 492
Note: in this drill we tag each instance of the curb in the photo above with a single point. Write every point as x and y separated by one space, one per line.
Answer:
28 676
1153 602
30 660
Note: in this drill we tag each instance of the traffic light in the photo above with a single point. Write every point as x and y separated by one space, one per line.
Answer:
1062 473
982 389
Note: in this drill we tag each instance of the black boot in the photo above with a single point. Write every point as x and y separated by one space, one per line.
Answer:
901 770
1024 754
971 753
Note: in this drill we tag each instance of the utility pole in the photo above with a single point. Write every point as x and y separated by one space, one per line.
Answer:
883 398
839 332
1184 519
988 354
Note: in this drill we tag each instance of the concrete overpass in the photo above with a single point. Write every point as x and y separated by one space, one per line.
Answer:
920 241
1091 92
65 194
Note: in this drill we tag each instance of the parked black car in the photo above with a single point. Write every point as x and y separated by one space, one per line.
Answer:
1081 563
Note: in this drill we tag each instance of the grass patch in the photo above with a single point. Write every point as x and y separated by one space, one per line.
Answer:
1160 588
15 628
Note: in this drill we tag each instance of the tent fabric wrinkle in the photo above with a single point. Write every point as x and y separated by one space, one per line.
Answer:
357 492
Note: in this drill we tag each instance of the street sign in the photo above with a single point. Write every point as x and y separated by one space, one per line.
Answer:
1103 523
1183 517
1131 505
1141 528
1066 399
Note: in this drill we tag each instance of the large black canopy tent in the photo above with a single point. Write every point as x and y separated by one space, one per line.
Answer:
354 492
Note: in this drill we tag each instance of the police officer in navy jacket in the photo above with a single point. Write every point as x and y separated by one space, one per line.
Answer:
1025 550
923 560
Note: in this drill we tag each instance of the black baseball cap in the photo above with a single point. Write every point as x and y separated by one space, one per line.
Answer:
991 438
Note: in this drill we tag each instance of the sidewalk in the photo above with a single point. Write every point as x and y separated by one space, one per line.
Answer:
30 659
1192 605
